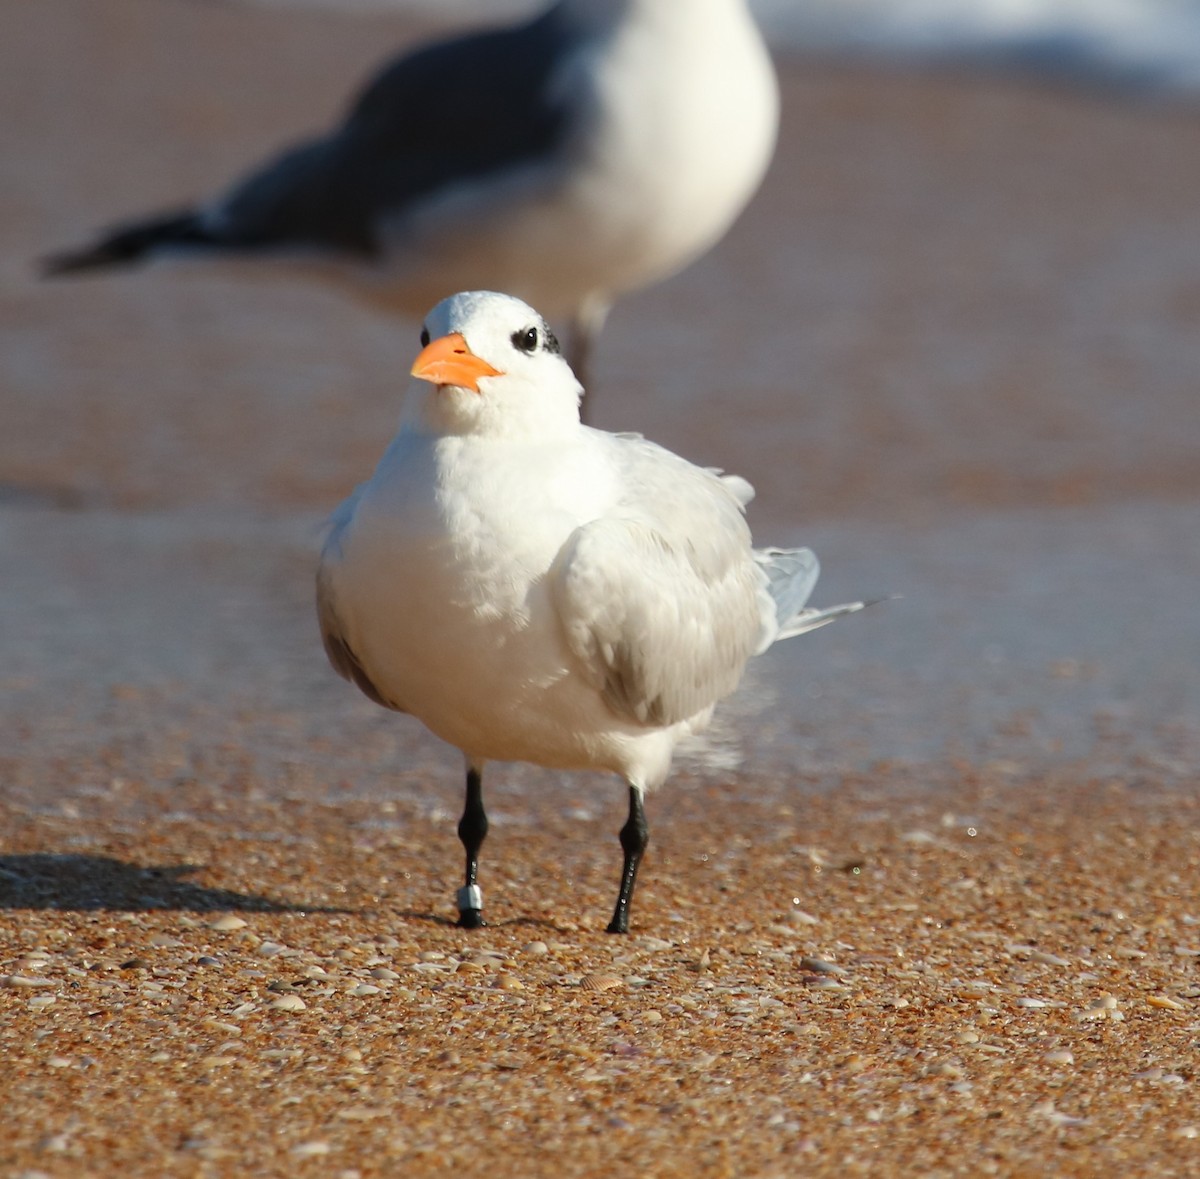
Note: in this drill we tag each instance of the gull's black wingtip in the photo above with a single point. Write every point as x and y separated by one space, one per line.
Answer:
127 245
67 262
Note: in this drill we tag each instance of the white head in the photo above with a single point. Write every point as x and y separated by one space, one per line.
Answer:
493 367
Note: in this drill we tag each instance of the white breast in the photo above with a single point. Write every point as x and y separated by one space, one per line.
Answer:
439 582
688 103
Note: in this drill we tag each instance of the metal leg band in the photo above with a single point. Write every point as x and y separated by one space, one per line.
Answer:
470 896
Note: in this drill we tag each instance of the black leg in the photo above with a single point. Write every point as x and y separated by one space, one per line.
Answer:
472 830
635 835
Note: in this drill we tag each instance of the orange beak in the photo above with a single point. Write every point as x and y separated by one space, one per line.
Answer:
449 361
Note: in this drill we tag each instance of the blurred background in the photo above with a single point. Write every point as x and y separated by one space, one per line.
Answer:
953 343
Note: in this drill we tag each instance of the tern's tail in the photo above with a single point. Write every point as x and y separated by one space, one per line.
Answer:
791 576
806 620
131 243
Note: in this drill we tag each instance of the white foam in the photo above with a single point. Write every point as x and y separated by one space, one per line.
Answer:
1148 42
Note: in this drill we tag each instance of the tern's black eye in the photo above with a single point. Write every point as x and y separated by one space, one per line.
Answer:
526 340
424 337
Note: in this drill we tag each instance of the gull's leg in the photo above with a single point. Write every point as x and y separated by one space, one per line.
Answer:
472 830
635 835
585 327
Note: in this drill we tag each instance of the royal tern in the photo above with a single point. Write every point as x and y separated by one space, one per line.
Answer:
532 589
591 151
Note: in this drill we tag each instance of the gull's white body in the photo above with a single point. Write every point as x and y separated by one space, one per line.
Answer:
676 114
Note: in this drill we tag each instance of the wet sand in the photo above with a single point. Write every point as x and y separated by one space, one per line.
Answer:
925 901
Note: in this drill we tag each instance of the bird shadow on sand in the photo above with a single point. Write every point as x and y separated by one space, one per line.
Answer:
44 880
504 923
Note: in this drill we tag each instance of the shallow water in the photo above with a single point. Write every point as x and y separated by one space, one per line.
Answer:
183 644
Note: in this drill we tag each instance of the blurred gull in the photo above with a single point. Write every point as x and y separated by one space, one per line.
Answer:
535 590
593 150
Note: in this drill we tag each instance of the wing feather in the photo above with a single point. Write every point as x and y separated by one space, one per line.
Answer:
446 113
341 655
333 632
661 600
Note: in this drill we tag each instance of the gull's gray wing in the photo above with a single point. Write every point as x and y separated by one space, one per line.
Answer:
453 111
450 112
661 600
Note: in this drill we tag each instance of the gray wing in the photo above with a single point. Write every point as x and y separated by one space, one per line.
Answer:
452 111
333 636
661 601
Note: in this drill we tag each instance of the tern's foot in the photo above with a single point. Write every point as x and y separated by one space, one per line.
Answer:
618 925
470 907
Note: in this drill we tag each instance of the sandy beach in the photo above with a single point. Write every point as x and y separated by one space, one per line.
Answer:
925 901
